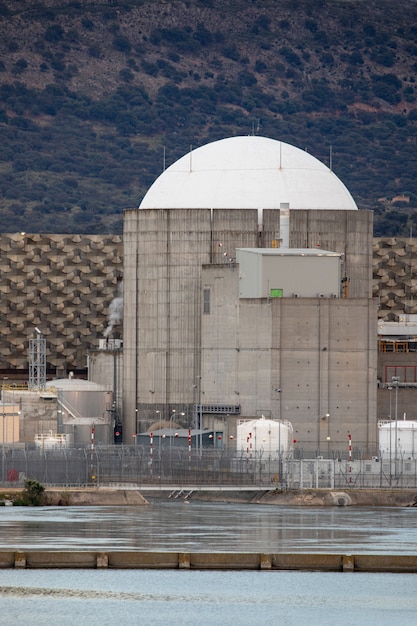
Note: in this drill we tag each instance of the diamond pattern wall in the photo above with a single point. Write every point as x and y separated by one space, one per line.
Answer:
395 277
63 284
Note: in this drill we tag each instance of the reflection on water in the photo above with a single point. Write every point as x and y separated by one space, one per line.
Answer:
199 527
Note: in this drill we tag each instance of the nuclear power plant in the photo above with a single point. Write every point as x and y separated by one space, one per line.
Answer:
247 289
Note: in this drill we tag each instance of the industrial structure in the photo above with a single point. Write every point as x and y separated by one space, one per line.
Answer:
206 338
252 286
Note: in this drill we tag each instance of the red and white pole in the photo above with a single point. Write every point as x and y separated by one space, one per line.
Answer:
92 437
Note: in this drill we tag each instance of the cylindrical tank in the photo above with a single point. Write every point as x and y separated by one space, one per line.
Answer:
398 438
265 436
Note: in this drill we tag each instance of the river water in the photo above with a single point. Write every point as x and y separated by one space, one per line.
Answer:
172 597
179 526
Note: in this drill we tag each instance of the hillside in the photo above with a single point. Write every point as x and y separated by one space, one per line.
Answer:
96 97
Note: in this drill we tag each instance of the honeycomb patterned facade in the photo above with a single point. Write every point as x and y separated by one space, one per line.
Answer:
62 284
395 277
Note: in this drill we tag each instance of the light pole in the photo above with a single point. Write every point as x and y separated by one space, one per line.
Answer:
170 433
13 416
390 402
174 413
395 382
390 433
2 439
323 419
278 392
200 417
158 413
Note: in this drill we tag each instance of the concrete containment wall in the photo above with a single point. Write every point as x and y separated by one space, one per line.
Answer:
240 356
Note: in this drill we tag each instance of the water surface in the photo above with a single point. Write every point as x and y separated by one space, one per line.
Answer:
200 527
186 598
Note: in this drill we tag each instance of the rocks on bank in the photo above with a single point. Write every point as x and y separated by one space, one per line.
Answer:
95 496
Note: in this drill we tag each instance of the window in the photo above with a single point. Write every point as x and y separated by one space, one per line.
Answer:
206 301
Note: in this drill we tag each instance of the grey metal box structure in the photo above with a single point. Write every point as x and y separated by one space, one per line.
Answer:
288 272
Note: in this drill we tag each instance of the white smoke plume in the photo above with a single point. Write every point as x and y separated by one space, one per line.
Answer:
115 311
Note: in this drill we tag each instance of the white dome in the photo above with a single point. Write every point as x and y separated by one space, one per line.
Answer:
248 173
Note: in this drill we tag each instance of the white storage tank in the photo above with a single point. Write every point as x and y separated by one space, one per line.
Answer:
265 436
398 439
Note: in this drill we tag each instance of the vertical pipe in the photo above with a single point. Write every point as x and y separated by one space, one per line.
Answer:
284 227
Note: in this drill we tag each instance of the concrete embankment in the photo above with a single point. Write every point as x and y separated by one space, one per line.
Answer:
120 496
33 559
297 497
339 497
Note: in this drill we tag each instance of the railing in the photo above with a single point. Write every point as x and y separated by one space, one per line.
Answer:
14 387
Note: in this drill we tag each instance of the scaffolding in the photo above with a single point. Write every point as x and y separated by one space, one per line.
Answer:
37 362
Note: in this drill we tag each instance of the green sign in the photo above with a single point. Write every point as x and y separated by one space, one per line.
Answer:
276 293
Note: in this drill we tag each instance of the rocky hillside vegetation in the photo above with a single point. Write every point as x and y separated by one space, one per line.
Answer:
97 97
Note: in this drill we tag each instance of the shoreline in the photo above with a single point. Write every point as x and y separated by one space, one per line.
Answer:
137 496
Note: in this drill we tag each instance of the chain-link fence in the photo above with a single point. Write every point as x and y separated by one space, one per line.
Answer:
179 467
